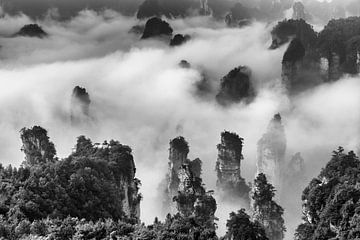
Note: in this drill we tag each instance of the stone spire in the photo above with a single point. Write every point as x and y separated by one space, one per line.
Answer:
271 152
229 180
80 104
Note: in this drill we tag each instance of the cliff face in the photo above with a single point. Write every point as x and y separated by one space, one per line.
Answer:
37 146
229 181
184 189
80 104
236 86
271 152
292 63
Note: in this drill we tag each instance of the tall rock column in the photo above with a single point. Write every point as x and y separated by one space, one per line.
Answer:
185 192
80 104
271 152
229 180
299 11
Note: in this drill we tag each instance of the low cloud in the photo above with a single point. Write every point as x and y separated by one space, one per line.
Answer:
141 97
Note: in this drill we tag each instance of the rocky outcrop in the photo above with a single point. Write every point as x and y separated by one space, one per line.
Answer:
31 30
179 39
37 146
122 163
298 11
301 64
339 43
287 30
271 150
236 86
155 27
229 181
184 64
185 192
80 104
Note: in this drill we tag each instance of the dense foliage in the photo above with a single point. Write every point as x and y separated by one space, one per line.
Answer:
332 201
266 211
88 184
240 227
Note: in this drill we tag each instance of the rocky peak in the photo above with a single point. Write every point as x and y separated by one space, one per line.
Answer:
236 86
287 30
155 27
298 11
184 64
271 152
184 191
229 180
80 104
37 146
31 30
122 166
179 39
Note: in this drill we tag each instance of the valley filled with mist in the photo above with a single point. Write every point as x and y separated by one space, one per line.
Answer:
180 119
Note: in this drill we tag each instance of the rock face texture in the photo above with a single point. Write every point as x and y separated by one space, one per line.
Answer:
292 63
184 189
179 39
31 30
155 27
236 86
80 104
271 152
229 181
37 146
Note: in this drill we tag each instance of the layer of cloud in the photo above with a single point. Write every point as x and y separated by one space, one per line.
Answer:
141 97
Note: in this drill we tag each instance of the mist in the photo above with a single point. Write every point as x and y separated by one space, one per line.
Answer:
143 98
